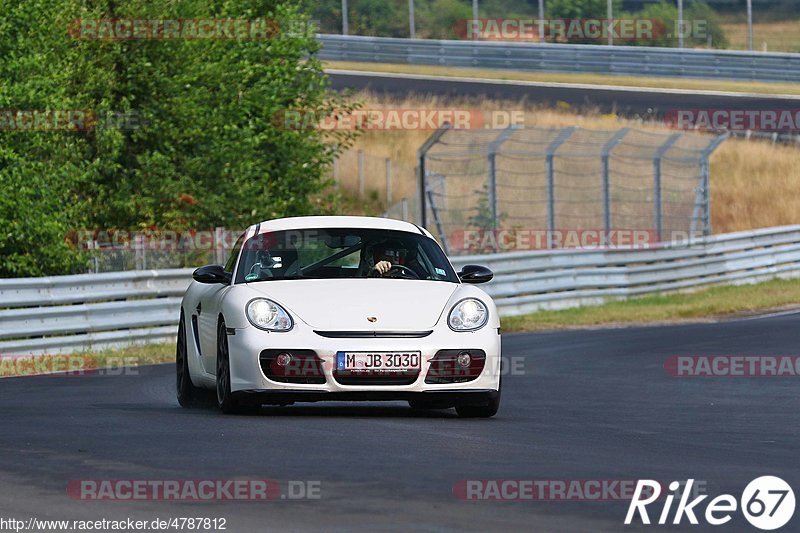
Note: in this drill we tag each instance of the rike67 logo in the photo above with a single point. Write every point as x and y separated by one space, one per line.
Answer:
767 503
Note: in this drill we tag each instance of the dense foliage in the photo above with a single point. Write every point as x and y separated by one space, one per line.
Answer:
186 132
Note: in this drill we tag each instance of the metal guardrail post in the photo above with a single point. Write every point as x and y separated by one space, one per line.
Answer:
657 203
604 154
494 146
562 136
421 153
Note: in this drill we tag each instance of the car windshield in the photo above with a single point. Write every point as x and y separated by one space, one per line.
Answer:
342 253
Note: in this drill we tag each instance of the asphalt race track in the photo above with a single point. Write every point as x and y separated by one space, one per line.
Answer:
590 404
641 102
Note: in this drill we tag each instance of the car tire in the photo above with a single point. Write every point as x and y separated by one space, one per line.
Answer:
188 394
487 410
225 400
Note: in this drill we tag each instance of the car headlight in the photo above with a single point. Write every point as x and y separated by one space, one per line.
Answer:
468 315
266 314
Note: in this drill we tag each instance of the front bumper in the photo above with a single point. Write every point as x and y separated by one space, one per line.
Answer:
438 398
249 381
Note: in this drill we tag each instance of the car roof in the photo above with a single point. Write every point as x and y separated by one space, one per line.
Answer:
320 222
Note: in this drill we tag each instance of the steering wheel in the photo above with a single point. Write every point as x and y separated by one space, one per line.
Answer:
403 272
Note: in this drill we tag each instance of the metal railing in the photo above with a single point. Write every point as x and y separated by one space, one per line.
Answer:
62 314
537 179
526 282
91 311
548 57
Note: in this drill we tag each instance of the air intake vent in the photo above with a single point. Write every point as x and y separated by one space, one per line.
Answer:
373 334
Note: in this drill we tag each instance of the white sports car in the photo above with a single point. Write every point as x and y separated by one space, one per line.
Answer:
339 308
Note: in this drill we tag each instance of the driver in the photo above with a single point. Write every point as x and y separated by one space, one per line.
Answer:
381 257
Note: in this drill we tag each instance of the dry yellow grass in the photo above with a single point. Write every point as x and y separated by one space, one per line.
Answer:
753 183
771 36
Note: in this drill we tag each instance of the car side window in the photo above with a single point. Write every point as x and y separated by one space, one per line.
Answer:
234 254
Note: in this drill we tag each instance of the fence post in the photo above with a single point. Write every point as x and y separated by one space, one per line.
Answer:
361 173
438 221
705 181
657 202
388 181
219 251
421 153
336 166
140 258
494 147
562 136
92 245
605 154
706 197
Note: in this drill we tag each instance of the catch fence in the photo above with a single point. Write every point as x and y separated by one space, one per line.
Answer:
482 189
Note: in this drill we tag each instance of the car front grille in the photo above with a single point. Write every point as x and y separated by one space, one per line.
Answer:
373 334
371 378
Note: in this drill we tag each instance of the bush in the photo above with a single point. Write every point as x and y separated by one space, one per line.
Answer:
207 150
700 21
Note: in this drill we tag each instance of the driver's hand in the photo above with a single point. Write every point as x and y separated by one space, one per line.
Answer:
382 267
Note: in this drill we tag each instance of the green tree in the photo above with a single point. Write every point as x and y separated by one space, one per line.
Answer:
701 21
443 19
580 8
209 150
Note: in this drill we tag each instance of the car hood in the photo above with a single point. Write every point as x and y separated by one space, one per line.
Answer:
345 304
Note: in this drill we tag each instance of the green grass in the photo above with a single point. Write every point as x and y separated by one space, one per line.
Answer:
711 303
117 360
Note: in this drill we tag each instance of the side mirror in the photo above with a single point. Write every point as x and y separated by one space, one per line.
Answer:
212 274
475 274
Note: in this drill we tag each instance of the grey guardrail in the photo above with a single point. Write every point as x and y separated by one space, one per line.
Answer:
525 282
63 314
549 57
90 311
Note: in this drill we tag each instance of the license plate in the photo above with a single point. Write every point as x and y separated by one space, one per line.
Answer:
378 361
